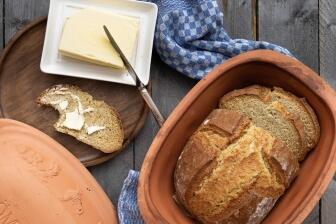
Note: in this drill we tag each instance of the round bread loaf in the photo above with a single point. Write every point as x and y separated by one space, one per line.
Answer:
232 171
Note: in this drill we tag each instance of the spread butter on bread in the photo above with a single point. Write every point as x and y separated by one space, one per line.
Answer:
90 121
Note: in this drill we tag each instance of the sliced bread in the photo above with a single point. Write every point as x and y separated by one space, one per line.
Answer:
300 108
262 106
236 176
90 121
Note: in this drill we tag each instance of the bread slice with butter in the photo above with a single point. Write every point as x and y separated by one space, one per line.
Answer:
90 121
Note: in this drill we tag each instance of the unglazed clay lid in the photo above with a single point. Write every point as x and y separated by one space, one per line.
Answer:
41 182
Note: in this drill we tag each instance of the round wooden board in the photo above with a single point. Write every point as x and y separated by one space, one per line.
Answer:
21 82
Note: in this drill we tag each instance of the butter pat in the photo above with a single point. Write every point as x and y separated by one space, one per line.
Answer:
83 37
92 129
61 104
73 120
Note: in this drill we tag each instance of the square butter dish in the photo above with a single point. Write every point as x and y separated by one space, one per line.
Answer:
52 62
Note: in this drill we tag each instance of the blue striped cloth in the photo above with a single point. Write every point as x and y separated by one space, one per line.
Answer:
190 38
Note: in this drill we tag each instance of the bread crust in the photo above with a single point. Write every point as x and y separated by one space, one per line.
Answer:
251 206
283 160
308 109
314 119
199 159
255 90
188 165
295 120
56 87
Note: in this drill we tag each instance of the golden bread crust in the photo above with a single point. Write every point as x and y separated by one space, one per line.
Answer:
207 174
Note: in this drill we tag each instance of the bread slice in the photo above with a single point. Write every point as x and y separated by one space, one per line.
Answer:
300 108
257 103
232 171
90 121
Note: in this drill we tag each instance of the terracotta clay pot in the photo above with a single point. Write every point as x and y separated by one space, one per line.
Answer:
156 187
42 182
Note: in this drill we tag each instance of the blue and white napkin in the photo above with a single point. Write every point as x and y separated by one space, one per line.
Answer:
190 38
128 211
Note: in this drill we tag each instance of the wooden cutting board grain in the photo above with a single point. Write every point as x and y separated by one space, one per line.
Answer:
21 82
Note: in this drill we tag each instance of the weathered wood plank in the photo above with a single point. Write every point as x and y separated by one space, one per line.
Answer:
327 34
328 204
292 24
2 45
240 18
327 40
169 87
111 174
314 216
19 12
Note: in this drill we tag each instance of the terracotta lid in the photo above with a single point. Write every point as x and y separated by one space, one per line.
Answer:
41 182
156 187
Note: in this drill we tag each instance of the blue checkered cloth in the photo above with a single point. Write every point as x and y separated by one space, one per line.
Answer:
190 38
128 211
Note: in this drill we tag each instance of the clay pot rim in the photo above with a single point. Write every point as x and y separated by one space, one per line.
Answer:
326 94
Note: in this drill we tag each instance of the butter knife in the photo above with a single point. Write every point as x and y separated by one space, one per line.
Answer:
141 87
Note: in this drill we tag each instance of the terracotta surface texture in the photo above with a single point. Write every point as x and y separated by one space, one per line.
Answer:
156 191
41 182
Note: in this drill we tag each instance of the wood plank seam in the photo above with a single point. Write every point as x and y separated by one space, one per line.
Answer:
3 23
318 68
255 14
239 18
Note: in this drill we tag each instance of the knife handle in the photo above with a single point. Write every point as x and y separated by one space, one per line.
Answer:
148 99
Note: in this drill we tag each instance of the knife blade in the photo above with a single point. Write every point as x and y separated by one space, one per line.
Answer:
141 87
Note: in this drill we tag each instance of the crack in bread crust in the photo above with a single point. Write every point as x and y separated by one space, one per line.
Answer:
235 162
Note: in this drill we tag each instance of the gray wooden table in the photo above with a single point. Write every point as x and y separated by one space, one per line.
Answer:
306 27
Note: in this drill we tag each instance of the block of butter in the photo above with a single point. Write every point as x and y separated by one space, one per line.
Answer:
83 37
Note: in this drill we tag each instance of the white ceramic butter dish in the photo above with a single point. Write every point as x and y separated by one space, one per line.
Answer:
52 62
